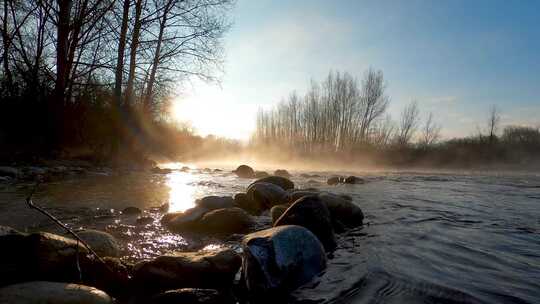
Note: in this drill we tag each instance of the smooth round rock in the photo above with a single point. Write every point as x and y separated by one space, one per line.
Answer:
225 221
277 211
241 200
266 195
343 211
42 292
131 211
282 173
281 181
203 269
101 242
244 171
280 259
311 212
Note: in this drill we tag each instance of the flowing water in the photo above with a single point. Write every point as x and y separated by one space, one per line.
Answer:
428 238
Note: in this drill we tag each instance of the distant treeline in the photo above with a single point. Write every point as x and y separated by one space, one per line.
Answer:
98 74
343 118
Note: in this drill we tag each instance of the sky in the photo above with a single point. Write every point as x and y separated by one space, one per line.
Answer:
455 58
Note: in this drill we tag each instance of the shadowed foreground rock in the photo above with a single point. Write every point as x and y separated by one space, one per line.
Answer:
281 181
241 200
280 259
311 212
192 296
210 269
41 292
181 221
343 211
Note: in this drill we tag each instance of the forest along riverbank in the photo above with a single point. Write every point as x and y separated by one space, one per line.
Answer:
422 235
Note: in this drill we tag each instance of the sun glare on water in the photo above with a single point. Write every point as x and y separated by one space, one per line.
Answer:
211 111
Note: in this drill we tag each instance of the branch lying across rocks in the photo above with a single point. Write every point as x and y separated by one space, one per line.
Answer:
31 204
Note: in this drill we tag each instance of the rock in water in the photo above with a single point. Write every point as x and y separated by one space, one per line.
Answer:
334 180
282 173
343 211
180 221
204 269
280 259
277 211
353 180
41 292
101 242
266 195
192 296
281 181
244 171
215 202
261 174
241 200
311 212
294 195
226 221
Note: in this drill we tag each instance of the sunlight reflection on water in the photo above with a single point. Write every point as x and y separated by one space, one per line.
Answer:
181 193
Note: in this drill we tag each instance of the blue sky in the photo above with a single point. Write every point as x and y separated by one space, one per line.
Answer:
456 58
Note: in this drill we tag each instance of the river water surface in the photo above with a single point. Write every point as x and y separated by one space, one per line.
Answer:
428 238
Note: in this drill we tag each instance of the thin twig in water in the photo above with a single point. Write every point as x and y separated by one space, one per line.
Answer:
59 223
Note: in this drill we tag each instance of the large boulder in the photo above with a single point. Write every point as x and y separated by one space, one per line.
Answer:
41 292
192 296
203 269
226 221
311 212
343 211
48 257
266 195
241 200
294 195
181 221
244 171
215 202
282 173
101 242
53 257
281 181
280 259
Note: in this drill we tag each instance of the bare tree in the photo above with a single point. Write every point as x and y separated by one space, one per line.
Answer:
493 123
430 131
373 101
408 124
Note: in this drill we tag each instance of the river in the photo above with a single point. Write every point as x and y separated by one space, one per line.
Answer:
455 237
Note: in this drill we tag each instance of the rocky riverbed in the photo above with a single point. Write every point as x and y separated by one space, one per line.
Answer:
218 235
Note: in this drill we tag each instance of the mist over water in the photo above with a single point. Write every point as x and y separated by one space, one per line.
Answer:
429 237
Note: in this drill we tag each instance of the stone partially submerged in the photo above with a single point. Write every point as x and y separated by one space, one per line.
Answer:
41 292
343 211
280 259
225 221
244 171
311 212
281 181
265 195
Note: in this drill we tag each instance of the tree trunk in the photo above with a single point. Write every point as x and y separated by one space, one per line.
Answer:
133 52
119 74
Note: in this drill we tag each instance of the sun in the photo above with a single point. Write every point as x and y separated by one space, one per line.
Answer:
211 111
